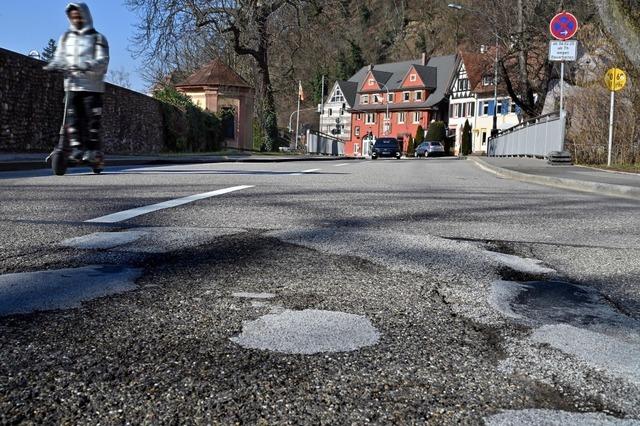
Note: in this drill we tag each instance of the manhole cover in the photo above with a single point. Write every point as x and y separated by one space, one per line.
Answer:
308 332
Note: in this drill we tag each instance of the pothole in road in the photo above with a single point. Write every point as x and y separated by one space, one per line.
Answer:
552 302
308 332
62 288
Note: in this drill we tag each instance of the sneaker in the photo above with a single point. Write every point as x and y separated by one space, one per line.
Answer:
92 156
76 154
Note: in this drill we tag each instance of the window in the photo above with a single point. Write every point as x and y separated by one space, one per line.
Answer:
485 108
484 138
376 99
358 116
387 115
390 98
371 118
337 96
487 80
401 117
499 111
418 95
406 96
463 84
513 107
330 112
471 108
413 77
416 117
357 130
365 99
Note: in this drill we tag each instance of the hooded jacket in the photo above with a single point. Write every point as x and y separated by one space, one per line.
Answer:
85 50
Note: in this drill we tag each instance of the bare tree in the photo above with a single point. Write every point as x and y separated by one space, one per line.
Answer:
119 77
170 27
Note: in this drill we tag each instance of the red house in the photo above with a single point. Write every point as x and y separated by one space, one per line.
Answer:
394 99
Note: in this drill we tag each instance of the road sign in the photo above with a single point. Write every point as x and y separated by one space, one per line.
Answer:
563 26
563 50
615 79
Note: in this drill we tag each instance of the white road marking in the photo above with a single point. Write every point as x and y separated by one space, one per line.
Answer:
304 172
128 214
341 164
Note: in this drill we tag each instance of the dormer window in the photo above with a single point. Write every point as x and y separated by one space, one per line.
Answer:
487 80
365 99
413 77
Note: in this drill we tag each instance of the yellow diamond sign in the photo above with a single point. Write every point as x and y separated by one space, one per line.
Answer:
615 79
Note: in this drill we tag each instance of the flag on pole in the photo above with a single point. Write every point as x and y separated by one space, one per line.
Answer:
300 91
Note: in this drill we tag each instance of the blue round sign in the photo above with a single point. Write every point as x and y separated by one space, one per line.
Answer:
563 26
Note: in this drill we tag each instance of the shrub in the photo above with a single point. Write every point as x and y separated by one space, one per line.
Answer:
436 131
187 128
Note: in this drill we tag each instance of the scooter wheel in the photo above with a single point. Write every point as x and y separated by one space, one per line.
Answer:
59 163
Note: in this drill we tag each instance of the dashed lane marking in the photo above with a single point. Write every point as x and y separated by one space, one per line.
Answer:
341 164
304 172
128 214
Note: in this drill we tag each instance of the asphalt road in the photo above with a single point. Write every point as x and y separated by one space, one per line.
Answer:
410 291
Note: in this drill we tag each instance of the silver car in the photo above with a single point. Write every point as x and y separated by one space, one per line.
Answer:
428 148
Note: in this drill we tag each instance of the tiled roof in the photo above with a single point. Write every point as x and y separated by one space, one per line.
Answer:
437 74
349 89
215 73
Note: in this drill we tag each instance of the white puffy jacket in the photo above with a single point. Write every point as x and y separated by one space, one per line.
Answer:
85 50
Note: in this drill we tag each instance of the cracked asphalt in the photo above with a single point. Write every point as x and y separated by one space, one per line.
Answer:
405 244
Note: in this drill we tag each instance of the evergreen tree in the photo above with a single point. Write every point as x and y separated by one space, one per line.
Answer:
436 131
466 138
49 50
411 144
419 136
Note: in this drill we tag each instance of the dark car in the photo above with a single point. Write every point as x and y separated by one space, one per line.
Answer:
386 147
428 148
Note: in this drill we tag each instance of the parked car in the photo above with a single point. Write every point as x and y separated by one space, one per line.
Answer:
428 148
386 147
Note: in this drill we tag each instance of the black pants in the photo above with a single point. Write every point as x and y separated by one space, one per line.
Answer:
84 120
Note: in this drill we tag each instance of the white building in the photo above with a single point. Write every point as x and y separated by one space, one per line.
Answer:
472 99
335 117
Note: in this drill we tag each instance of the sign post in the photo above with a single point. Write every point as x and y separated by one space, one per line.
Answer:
614 79
562 27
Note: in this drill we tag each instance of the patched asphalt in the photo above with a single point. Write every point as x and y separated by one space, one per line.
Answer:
400 256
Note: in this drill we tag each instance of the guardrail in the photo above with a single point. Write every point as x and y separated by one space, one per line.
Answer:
321 143
536 137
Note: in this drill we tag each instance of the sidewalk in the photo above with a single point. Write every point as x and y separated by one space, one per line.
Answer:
568 177
31 161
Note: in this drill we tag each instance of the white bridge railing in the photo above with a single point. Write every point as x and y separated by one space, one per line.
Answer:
321 143
536 138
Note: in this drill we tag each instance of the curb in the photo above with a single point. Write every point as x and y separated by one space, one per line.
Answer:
21 165
564 183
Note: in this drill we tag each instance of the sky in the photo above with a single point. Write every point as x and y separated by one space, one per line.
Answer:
27 25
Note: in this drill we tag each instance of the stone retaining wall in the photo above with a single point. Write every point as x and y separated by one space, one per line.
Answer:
32 103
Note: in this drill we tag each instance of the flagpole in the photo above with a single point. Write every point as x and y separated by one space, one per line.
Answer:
295 139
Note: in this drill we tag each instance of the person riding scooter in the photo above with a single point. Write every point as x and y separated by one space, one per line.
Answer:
83 54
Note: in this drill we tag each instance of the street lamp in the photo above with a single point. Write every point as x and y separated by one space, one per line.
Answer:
495 63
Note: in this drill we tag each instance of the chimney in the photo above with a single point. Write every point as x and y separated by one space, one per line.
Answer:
424 58
370 67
